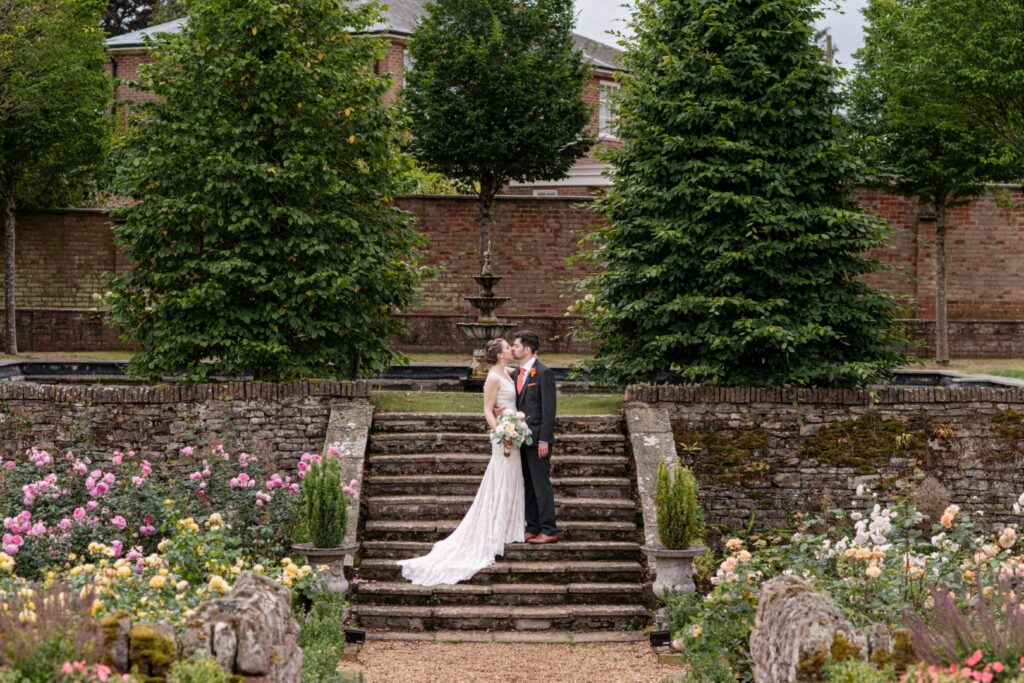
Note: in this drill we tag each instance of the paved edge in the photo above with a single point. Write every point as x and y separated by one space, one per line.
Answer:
552 637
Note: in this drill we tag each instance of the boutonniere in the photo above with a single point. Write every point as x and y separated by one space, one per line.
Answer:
533 372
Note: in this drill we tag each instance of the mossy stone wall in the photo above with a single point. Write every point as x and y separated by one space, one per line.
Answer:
766 454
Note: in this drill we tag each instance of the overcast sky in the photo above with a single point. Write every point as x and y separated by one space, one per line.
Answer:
595 17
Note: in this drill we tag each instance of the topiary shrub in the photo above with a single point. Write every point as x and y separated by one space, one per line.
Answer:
326 503
675 502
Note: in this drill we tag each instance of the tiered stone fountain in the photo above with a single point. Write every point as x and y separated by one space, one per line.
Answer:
487 326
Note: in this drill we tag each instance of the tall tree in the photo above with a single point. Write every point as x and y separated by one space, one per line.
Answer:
967 63
939 162
53 124
168 10
496 94
264 236
733 251
122 16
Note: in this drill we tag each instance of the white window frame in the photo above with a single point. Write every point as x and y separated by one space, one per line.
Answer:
407 63
608 112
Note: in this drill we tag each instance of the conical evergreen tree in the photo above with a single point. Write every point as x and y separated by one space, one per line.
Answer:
264 238
734 252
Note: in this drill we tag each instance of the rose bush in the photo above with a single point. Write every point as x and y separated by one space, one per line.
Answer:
878 563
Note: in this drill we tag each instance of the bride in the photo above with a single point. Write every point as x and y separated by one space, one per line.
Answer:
498 513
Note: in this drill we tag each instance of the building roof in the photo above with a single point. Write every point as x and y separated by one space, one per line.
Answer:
399 19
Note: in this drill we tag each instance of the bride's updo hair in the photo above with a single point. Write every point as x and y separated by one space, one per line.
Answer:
492 350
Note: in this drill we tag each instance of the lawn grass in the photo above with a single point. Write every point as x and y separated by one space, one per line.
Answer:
464 402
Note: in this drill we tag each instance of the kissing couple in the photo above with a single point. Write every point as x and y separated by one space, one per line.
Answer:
515 502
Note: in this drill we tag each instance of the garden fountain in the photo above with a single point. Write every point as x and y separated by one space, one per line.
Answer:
487 326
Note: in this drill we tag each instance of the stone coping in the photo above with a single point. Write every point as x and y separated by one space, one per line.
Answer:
120 394
646 393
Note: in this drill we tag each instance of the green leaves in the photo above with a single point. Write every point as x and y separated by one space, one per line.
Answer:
495 93
54 95
733 248
265 241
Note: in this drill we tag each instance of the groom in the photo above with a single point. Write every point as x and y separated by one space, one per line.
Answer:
535 396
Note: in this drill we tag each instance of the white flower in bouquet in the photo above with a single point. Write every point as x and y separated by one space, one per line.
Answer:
511 430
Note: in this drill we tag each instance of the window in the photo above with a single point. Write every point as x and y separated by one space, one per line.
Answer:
608 112
407 63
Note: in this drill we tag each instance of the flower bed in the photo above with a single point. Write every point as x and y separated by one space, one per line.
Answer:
944 582
150 544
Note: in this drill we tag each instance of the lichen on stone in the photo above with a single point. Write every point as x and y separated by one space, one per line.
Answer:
151 651
865 444
724 456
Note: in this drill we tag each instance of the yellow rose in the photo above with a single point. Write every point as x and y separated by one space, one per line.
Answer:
124 571
157 582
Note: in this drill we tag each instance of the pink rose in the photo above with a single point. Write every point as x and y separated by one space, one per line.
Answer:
119 521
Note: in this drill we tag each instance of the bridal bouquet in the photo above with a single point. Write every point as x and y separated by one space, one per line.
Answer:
511 430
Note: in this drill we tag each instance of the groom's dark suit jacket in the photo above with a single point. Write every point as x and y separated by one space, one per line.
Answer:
537 400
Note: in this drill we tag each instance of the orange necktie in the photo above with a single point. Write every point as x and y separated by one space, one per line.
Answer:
521 378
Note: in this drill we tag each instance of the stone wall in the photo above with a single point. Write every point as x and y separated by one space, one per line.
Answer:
276 421
770 453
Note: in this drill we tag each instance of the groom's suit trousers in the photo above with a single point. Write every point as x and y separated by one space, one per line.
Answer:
540 498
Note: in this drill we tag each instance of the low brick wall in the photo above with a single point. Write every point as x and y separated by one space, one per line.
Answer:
769 453
275 421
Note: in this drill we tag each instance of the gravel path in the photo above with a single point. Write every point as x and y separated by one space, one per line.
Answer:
388 662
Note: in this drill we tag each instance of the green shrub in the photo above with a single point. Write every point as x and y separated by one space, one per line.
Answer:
707 667
197 671
326 504
856 671
675 501
322 639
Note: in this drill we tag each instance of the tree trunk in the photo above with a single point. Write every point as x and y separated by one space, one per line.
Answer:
487 193
10 321
941 320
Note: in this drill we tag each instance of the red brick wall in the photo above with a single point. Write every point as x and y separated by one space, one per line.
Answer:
984 251
62 256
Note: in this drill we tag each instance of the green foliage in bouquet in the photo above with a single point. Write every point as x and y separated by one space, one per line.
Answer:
675 501
326 504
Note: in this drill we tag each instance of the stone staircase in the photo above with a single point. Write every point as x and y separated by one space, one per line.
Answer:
422 471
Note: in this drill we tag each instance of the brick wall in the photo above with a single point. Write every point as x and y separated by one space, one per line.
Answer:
768 453
984 246
63 255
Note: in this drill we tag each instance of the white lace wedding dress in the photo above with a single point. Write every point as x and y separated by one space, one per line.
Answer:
496 517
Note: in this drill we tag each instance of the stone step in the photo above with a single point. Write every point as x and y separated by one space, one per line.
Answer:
467 485
562 465
518 571
462 442
509 594
433 530
499 617
443 507
563 550
471 422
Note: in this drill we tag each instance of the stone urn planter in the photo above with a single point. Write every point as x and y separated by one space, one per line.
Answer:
673 568
334 558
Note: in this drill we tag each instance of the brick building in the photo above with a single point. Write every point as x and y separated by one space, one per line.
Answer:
129 51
